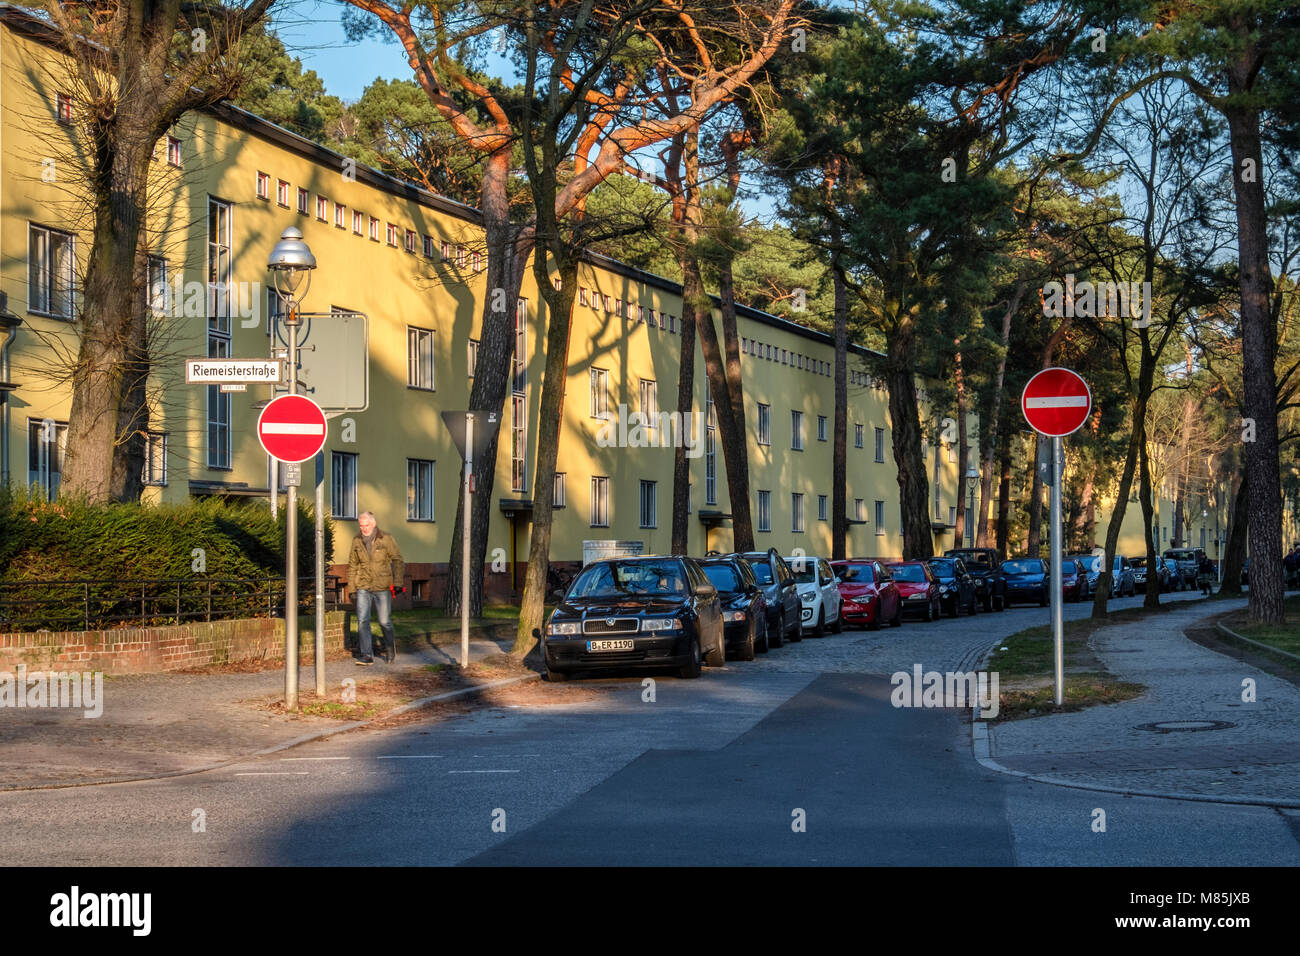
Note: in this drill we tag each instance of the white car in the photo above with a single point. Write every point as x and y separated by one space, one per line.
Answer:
819 594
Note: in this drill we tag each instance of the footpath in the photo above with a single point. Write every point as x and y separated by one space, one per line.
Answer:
1195 734
156 725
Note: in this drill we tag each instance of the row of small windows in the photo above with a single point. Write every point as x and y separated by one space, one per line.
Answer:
763 517
772 353
796 431
395 235
636 314
63 115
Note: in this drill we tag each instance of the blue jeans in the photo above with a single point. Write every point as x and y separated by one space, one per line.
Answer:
383 601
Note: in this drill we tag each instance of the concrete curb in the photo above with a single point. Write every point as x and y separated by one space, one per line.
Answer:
277 748
981 750
1234 636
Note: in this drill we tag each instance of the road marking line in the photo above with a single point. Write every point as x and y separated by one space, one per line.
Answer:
411 757
483 771
274 773
315 758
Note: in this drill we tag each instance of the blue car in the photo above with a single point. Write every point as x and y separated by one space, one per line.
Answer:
1027 581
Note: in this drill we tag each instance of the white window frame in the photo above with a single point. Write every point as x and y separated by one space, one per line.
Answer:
598 393
154 472
41 277
880 517
649 515
821 427
343 484
796 430
558 495
764 511
421 486
822 510
797 523
880 444
420 353
764 424
599 501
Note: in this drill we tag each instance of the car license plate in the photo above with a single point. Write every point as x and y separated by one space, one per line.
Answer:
624 645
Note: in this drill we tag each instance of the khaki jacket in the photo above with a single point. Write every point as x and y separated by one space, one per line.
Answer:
377 572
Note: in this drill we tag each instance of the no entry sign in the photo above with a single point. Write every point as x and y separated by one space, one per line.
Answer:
292 428
1056 402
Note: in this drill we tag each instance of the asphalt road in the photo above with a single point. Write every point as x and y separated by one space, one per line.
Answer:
720 770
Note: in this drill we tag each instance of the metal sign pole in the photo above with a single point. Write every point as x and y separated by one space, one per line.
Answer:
291 549
465 535
1058 626
320 574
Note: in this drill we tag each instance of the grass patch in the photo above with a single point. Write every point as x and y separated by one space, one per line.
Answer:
1026 663
1284 637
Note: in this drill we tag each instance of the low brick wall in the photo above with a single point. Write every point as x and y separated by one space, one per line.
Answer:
147 650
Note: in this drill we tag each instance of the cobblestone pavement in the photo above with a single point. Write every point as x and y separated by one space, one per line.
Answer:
1248 750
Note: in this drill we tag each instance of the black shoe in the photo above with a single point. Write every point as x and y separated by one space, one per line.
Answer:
390 652
365 661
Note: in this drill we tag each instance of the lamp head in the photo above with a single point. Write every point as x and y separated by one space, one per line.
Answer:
290 262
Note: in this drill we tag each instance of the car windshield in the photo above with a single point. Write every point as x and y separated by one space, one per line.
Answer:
723 577
1139 562
944 569
762 570
1181 555
623 579
855 573
975 561
909 572
805 571
1023 567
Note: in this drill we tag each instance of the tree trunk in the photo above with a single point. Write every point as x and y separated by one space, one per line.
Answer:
1034 541
913 487
991 429
685 408
507 256
1004 495
1234 548
1084 522
963 450
1152 599
839 464
1259 344
737 478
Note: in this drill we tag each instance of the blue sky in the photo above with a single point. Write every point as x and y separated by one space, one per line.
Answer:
313 32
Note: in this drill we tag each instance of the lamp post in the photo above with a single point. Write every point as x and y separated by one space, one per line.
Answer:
291 263
972 480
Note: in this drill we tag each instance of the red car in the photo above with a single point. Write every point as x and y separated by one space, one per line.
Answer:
1074 580
918 588
868 595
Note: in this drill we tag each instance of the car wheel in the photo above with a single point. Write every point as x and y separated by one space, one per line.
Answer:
929 611
1042 601
898 615
838 626
874 623
776 638
1002 603
988 602
747 649
692 668
717 656
761 645
820 630
797 635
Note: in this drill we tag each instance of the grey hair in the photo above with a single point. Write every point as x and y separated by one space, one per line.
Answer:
366 514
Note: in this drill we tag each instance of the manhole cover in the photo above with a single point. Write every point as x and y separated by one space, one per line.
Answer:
1173 726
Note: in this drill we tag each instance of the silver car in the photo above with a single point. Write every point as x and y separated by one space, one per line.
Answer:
1122 582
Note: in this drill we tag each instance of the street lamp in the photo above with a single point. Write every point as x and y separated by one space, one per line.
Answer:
972 480
291 263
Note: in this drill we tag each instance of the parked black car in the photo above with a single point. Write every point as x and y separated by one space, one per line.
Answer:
985 566
781 593
1027 581
636 613
957 589
744 609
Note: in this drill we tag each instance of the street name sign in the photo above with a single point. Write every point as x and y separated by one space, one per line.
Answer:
230 371
1056 402
292 428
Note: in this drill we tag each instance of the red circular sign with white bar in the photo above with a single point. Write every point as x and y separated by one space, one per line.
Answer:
292 428
1056 402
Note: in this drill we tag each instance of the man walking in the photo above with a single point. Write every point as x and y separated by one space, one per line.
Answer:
376 573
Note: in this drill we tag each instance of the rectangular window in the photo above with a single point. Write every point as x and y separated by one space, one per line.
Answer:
518 443
764 424
519 356
460 257
599 393
821 427
410 240
343 484
444 250
858 431
220 258
649 513
859 509
63 108
392 234
264 186
159 291
47 443
50 263
155 458
880 517
796 512
880 444
428 247
765 511
471 356
303 198
282 193
599 502
419 490
796 430
173 151
582 295
476 262
650 403
558 500
340 216
358 223
711 454
952 515
374 229
821 507
419 358
322 209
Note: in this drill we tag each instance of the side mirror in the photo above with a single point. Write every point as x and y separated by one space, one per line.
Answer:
537 633
706 591
558 594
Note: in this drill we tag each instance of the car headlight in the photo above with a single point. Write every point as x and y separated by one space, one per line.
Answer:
807 597
730 616
563 627
943 589
660 624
